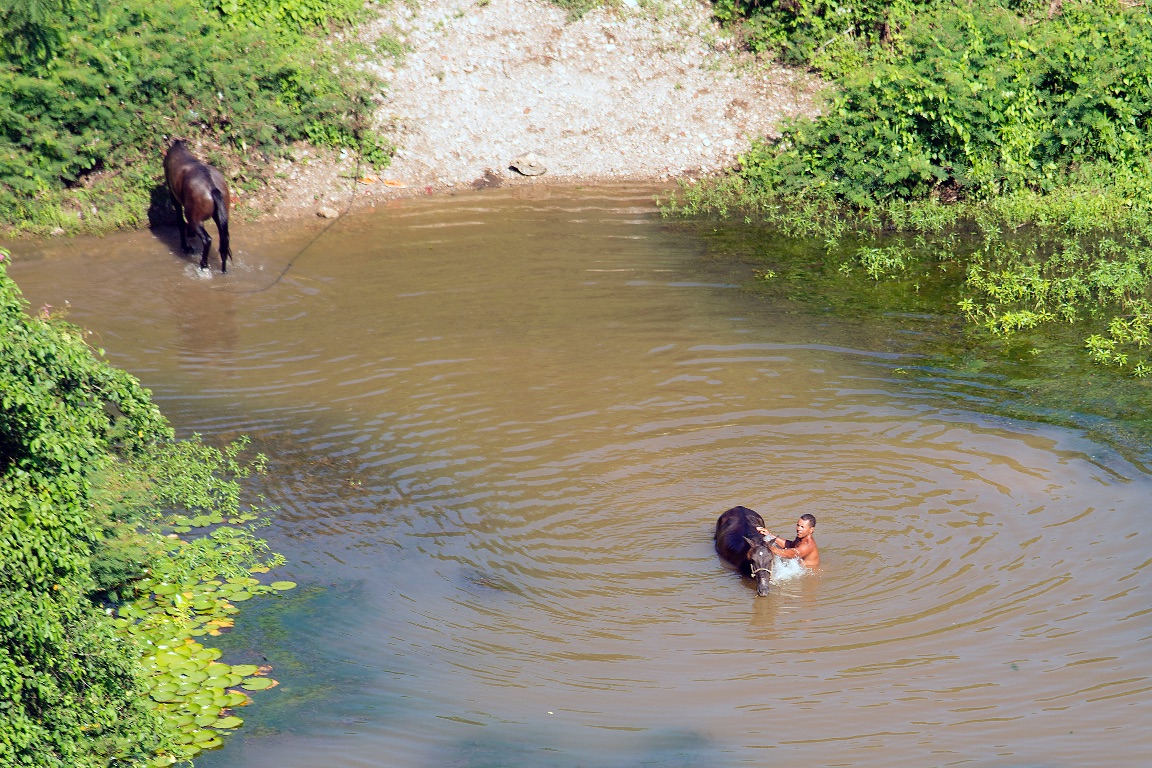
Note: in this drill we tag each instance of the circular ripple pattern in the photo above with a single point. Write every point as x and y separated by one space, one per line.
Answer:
501 430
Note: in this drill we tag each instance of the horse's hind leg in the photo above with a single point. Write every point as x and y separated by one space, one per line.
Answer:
207 244
221 220
183 222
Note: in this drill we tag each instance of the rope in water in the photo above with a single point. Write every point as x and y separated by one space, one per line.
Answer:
312 242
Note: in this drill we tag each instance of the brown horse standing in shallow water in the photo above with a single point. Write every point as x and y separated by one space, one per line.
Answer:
741 546
199 192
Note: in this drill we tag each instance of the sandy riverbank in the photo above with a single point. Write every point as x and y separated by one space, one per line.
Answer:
648 91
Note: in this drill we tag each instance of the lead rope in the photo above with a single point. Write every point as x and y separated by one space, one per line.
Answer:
312 242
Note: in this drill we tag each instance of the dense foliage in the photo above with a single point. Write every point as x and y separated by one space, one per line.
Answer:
802 31
971 98
86 88
69 693
982 117
97 602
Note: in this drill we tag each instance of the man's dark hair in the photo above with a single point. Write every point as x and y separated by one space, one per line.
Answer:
810 518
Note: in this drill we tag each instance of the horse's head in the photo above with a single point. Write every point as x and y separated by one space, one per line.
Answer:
760 558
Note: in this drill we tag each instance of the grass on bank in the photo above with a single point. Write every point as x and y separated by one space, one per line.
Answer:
1026 133
91 94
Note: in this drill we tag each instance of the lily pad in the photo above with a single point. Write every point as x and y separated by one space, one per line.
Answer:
281 585
203 698
257 683
243 580
245 669
228 722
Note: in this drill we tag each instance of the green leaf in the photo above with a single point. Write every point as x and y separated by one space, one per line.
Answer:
257 683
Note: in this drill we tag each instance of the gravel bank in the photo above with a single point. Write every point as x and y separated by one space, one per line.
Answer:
650 92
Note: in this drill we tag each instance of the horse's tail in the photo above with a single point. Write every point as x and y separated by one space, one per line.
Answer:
220 215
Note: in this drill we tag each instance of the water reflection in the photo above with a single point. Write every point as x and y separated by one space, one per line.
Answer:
206 323
500 432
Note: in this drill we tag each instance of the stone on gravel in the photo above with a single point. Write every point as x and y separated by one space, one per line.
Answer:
528 165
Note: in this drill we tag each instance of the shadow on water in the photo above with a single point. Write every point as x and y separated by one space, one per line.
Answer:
291 633
1039 375
161 212
323 697
670 749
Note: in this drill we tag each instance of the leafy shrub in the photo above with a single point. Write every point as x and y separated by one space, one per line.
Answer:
801 29
69 687
89 474
973 102
115 80
948 116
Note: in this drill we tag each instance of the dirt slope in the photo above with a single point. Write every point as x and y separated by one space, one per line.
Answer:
639 91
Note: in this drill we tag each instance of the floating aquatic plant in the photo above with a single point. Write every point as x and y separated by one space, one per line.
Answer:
189 687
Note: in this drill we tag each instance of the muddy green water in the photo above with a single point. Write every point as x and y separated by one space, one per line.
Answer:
501 428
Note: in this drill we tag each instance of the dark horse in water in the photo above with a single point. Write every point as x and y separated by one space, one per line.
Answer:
199 192
741 546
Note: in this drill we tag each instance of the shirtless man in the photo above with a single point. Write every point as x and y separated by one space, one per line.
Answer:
803 546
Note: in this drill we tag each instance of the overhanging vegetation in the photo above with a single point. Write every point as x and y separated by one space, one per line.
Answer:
1024 124
121 549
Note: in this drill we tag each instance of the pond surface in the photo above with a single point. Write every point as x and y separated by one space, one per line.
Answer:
501 428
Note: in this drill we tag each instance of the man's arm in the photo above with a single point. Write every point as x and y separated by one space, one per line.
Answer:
800 549
769 539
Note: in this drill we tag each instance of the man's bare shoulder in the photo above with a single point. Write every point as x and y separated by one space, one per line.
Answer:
809 552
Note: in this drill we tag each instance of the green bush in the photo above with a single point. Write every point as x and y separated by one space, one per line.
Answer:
96 598
101 88
985 118
970 101
69 684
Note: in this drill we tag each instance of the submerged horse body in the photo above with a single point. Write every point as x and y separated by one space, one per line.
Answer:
199 193
741 546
